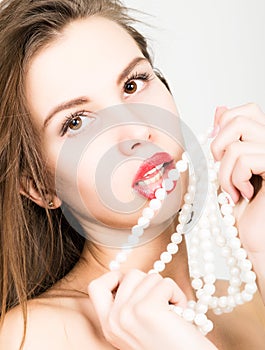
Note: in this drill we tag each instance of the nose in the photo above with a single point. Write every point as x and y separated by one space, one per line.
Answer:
133 136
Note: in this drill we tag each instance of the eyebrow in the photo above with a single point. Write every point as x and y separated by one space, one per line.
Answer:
83 100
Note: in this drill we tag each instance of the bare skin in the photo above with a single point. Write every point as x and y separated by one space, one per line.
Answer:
66 317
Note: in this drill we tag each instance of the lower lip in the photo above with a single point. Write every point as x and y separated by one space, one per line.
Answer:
148 191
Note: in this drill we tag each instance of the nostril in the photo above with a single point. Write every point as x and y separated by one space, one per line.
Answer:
135 145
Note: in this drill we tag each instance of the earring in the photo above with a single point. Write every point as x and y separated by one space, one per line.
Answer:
50 204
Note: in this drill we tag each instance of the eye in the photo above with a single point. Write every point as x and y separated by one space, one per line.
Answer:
132 86
135 83
76 122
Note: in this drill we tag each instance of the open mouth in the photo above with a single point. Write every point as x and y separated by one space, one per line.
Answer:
151 174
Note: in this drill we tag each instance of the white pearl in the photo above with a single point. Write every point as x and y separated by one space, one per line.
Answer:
165 257
173 174
209 278
249 276
155 204
235 271
220 241
245 265
181 166
137 230
209 288
213 303
176 238
185 157
206 245
201 308
235 281
207 327
222 198
200 319
231 261
231 301
191 304
229 220
114 265
133 239
178 310
172 248
218 311
148 213
226 252
168 184
231 231
251 288
222 301
188 315
197 283
226 209
180 228
160 194
232 290
188 198
240 254
142 221
234 243
238 299
159 266
246 296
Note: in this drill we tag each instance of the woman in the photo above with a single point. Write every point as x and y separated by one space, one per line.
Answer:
63 62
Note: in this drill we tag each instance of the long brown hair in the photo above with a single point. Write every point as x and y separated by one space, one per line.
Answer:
38 247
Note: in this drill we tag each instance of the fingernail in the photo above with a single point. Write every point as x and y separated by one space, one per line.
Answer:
229 198
245 197
215 131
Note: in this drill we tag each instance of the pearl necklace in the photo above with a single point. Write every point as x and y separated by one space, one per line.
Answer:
203 234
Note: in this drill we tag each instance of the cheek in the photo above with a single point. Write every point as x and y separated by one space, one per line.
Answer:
158 95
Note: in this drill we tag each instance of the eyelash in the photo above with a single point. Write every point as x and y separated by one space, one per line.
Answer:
138 76
134 76
69 119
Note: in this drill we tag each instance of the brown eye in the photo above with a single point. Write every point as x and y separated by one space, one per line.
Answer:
130 87
76 123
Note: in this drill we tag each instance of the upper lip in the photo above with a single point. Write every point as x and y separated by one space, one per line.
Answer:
157 159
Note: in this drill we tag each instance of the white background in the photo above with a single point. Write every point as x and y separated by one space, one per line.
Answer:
211 52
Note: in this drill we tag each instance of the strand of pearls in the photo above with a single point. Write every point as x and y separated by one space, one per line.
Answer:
206 232
144 221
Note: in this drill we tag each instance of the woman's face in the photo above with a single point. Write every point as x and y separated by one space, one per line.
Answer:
91 67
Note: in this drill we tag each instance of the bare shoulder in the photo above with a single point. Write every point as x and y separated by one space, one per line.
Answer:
52 323
243 328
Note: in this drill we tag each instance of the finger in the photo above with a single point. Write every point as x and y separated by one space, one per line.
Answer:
100 293
250 110
218 113
127 287
144 288
239 128
167 291
232 153
245 167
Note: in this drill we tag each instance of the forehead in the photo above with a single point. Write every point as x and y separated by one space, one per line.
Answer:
86 51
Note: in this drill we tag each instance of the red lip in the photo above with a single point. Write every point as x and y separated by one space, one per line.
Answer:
150 164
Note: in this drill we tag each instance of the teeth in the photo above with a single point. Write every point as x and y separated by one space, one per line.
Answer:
150 172
152 179
158 167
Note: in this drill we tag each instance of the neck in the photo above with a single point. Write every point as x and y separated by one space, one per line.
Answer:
95 261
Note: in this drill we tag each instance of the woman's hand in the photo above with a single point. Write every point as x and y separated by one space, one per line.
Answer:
240 147
134 313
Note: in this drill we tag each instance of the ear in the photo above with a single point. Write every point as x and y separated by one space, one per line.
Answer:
29 190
